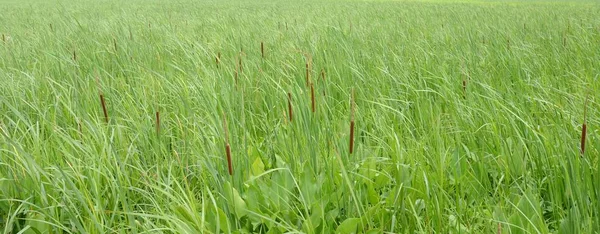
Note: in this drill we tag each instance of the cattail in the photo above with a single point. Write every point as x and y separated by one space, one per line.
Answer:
508 43
290 112
583 132
464 89
227 147
565 41
130 35
312 97
262 49
352 122
218 59
235 76
104 108
74 55
115 44
286 27
499 229
3 37
157 123
51 27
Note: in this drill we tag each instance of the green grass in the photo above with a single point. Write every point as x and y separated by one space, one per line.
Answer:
429 157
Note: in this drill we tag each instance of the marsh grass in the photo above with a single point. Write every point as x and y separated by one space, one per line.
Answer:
394 147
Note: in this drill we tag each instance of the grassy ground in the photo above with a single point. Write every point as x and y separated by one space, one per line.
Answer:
467 117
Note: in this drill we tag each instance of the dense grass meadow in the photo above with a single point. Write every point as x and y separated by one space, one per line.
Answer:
299 117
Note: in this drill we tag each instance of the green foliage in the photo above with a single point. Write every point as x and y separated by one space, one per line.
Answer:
468 117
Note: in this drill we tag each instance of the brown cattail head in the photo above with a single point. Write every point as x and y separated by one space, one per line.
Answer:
464 89
218 59
74 55
564 41
235 76
115 44
3 37
227 147
583 134
508 43
290 112
323 74
262 49
158 123
228 153
51 28
312 97
351 147
103 102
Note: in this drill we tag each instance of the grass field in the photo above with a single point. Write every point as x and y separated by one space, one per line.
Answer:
337 116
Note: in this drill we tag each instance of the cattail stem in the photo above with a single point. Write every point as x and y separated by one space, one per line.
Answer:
227 147
290 112
312 97
103 102
262 49
158 123
351 147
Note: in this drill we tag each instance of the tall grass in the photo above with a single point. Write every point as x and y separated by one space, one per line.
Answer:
410 152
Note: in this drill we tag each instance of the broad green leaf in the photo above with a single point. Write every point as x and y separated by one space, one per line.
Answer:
348 226
239 205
